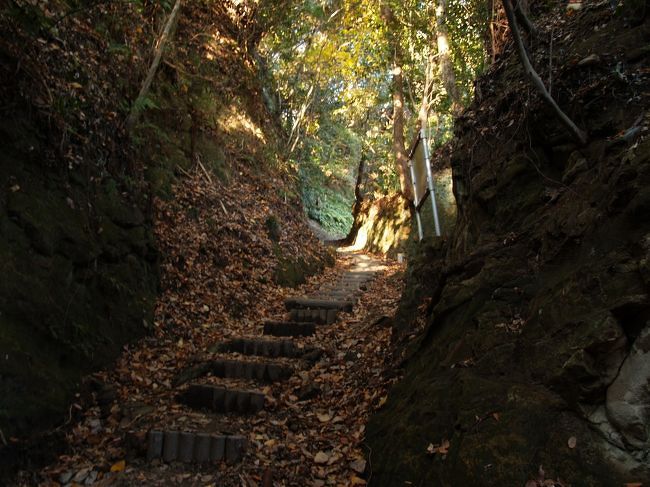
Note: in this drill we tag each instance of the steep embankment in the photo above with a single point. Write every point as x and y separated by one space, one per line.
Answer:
77 258
537 307
95 219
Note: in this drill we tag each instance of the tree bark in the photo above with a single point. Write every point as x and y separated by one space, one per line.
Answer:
423 112
489 39
399 149
444 58
146 86
578 134
358 202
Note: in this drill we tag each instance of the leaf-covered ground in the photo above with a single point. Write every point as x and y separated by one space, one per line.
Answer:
218 266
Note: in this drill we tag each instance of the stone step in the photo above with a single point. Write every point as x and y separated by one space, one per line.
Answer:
235 369
358 282
222 400
332 296
348 284
241 369
317 304
358 275
171 446
260 347
318 316
336 295
289 328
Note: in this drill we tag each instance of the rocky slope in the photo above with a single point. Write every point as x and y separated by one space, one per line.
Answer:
532 361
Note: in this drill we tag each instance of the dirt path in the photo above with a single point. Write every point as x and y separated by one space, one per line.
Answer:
226 405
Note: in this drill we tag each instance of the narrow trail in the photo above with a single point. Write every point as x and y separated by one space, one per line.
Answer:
280 401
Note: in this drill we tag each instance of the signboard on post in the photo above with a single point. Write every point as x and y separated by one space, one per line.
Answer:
419 161
422 179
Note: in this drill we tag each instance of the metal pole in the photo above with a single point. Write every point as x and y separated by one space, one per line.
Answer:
415 200
430 181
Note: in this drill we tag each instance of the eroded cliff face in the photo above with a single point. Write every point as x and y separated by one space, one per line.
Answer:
535 349
78 265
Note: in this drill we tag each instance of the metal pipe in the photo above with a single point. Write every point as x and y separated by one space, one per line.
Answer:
432 192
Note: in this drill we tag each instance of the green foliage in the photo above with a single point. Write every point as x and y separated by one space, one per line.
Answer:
330 65
30 17
329 207
144 103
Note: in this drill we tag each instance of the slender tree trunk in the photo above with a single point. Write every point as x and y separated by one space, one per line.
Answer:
358 202
444 57
295 128
537 82
399 148
162 41
489 40
423 112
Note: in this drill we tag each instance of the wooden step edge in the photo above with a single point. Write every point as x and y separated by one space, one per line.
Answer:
194 447
305 303
221 399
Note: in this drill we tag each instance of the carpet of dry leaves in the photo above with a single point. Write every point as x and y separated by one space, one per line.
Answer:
217 266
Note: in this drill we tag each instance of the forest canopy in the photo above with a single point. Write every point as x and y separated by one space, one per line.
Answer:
332 70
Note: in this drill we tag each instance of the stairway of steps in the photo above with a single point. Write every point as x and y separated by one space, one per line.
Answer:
262 360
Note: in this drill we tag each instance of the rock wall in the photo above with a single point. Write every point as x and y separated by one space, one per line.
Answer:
381 226
534 354
79 279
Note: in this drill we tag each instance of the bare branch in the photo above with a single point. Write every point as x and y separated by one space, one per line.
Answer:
144 91
522 17
578 134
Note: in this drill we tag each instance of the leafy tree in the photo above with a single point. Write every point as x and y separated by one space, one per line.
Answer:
365 75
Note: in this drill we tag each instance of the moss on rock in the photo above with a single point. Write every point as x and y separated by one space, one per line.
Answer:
79 280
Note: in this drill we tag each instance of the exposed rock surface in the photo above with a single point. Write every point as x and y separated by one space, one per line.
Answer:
79 279
535 346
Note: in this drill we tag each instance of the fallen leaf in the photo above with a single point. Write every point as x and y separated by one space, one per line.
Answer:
358 465
119 466
321 457
357 481
323 418
443 448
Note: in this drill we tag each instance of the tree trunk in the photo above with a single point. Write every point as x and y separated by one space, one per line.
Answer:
444 58
399 149
489 39
358 203
578 134
144 91
423 113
